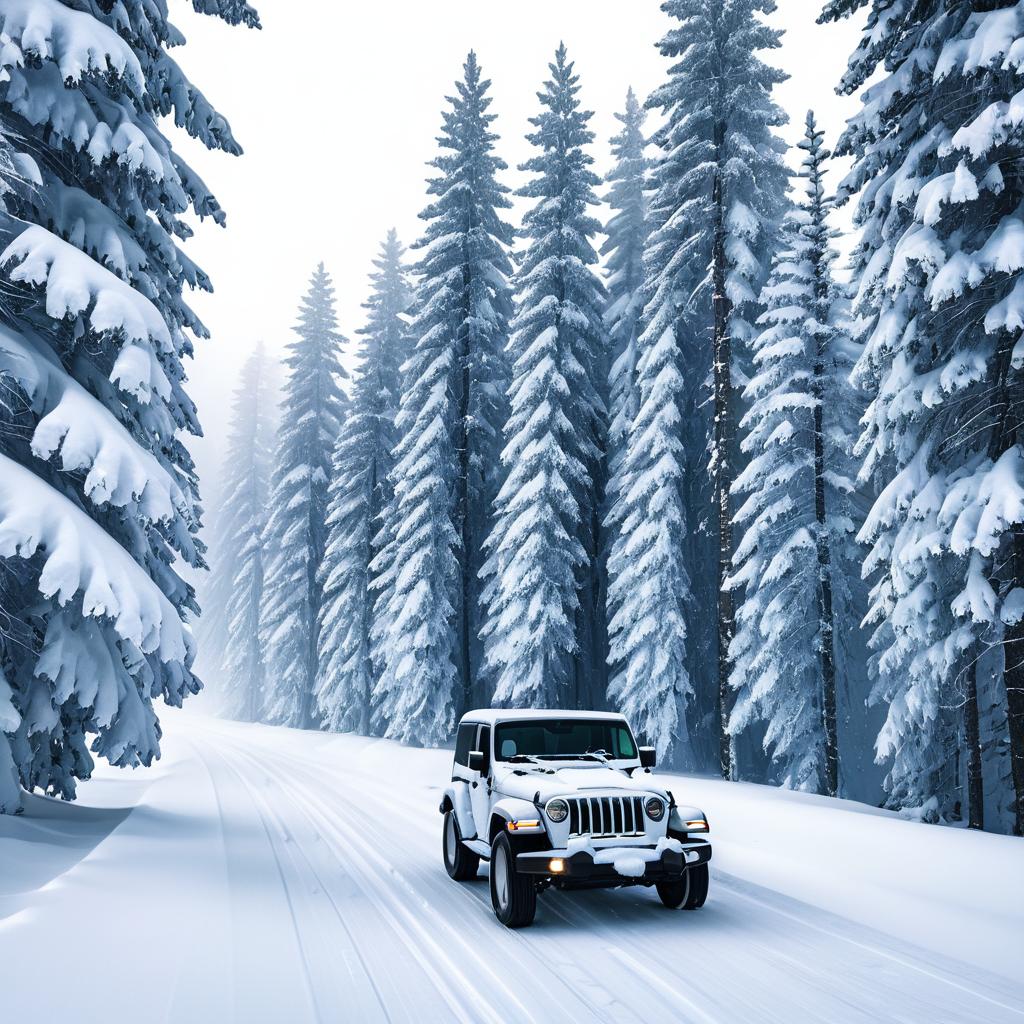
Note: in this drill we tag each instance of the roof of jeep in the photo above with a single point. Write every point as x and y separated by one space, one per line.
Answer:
490 716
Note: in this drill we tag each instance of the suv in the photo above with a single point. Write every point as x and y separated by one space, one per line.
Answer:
566 799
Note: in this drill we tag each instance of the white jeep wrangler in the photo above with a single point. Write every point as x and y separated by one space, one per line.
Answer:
566 799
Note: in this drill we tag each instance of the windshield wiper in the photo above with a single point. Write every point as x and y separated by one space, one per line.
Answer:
523 759
592 755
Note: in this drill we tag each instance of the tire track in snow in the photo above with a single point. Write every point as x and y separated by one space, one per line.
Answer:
548 960
295 851
742 959
429 953
307 979
876 950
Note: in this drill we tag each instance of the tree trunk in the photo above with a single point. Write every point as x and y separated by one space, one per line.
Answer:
1011 574
972 730
826 618
723 437
1013 680
465 526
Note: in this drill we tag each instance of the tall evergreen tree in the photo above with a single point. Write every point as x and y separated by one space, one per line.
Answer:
542 548
623 252
649 588
937 149
296 533
797 549
719 192
426 615
359 493
97 491
230 624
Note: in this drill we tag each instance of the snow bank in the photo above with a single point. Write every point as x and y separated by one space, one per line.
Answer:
946 889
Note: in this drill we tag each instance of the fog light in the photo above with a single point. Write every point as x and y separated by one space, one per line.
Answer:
556 865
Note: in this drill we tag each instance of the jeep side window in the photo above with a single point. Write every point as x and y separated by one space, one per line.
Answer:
485 746
464 743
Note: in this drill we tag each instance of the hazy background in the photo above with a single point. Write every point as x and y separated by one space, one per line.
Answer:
337 106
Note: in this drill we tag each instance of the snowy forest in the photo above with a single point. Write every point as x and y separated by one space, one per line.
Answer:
724 440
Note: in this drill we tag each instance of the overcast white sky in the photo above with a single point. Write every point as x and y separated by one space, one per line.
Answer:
337 105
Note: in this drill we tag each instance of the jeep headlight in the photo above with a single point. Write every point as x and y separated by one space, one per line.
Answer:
655 809
557 810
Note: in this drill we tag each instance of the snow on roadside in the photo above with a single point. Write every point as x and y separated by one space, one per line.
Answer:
956 892
269 874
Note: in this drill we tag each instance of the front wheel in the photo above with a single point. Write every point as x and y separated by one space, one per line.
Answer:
513 895
460 863
689 892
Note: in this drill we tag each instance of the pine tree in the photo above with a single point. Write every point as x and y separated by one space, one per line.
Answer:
359 493
936 148
542 547
623 253
230 623
719 191
649 587
426 615
98 497
797 549
296 535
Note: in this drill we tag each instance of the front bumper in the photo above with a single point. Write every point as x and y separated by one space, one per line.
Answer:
580 867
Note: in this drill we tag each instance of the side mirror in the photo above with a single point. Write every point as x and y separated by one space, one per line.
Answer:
477 761
648 757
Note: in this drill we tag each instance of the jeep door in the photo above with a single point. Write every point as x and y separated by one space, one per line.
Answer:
465 741
469 739
480 786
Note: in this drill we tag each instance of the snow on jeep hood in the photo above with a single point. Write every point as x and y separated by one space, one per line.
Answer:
574 777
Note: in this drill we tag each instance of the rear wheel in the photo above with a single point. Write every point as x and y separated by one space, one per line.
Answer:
460 863
513 896
689 892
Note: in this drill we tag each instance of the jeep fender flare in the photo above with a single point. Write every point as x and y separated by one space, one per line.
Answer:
456 798
687 812
508 809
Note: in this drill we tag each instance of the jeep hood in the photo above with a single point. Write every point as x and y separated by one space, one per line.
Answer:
573 779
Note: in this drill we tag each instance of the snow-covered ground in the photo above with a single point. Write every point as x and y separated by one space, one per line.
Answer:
267 875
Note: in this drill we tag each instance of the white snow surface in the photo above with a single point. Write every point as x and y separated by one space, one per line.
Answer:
262 874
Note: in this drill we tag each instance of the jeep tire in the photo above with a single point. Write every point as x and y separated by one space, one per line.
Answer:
689 892
460 862
513 895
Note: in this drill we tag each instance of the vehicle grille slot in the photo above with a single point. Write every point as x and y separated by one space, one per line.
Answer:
605 816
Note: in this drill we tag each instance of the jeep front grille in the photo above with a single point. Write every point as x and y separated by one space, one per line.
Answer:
602 816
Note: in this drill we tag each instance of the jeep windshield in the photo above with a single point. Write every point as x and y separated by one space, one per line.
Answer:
563 740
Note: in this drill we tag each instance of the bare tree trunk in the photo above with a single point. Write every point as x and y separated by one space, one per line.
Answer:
1013 680
723 438
826 618
466 611
1005 435
975 782
462 503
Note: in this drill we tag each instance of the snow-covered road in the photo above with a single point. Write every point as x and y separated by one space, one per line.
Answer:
266 875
